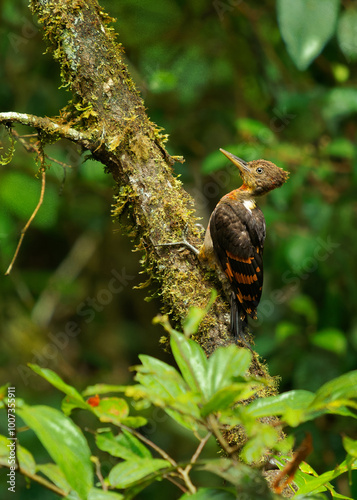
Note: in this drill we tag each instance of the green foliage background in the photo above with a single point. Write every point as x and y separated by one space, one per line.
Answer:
238 75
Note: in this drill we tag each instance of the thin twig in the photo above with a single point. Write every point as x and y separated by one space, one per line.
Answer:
218 435
185 476
292 466
32 148
200 447
180 470
147 441
46 125
96 461
185 472
61 163
41 480
23 231
176 483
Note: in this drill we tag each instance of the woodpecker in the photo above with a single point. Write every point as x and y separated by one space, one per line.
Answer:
235 237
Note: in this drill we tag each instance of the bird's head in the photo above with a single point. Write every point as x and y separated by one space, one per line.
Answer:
259 176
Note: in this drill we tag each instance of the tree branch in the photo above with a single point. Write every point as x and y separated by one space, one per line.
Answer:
27 225
45 125
40 480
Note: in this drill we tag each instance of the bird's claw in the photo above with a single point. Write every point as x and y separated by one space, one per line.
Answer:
183 242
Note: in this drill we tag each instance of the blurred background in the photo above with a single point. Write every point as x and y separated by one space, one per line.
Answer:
261 79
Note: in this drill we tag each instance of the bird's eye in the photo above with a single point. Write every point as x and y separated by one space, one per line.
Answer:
259 170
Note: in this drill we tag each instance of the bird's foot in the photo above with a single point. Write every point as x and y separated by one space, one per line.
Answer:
184 242
243 340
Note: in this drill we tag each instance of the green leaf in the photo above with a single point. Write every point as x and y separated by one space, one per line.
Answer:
211 494
324 479
96 494
163 386
226 397
347 34
134 422
191 360
25 458
125 445
283 404
350 445
151 368
337 495
337 392
310 496
113 410
195 316
75 401
265 437
315 496
193 319
102 389
55 474
222 387
340 103
306 26
330 339
130 472
250 482
225 365
162 380
64 442
68 404
302 476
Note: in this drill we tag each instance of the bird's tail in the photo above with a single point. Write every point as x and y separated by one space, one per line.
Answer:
239 320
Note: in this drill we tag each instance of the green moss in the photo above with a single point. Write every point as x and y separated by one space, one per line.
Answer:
122 199
6 158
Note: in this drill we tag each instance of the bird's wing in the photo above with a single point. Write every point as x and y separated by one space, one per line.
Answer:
238 236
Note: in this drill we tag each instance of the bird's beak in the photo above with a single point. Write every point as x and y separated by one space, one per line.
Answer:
238 162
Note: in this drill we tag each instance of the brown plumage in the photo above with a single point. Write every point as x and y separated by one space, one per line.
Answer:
235 237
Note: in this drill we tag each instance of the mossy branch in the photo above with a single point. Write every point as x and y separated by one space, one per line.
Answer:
45 125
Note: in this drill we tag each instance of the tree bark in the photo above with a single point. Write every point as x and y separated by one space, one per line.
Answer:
107 117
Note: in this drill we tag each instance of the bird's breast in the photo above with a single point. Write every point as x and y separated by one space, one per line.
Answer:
249 204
